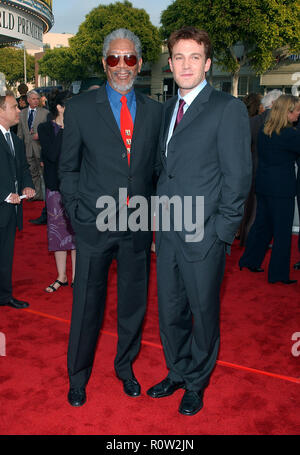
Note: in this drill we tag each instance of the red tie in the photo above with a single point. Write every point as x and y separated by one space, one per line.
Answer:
179 112
126 126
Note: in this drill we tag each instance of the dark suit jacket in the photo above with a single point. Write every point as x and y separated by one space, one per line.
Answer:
10 170
94 163
277 155
51 149
208 155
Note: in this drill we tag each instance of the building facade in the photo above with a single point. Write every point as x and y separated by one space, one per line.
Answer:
25 20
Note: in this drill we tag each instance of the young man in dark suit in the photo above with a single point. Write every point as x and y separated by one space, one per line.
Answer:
205 151
15 180
110 143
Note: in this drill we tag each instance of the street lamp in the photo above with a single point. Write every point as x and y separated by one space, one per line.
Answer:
25 66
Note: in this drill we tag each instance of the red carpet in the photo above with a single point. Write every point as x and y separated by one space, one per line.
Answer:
253 390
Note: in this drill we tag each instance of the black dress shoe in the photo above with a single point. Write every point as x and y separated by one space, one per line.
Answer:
14 303
284 282
39 220
253 269
191 403
76 397
131 387
164 388
297 266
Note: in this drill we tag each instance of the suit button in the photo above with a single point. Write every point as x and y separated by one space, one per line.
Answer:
171 176
129 179
124 155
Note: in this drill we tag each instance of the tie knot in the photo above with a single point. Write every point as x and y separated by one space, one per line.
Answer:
123 99
181 103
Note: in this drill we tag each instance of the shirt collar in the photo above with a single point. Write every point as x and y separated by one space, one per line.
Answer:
189 98
3 130
115 97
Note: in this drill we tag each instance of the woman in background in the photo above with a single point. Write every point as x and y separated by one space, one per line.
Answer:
278 148
60 232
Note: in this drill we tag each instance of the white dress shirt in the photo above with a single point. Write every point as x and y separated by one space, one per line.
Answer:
189 98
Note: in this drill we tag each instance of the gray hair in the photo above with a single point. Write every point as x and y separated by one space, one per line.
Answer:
270 97
122 33
32 92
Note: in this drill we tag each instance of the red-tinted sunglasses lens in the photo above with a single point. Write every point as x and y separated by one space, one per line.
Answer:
113 60
130 60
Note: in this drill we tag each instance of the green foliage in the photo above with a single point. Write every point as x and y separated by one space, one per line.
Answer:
87 44
12 65
262 25
59 64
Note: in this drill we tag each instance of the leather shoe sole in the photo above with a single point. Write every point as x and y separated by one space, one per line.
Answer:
284 282
164 388
14 303
191 403
131 387
76 397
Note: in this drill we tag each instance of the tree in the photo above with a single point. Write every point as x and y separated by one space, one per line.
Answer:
12 65
261 26
59 64
87 44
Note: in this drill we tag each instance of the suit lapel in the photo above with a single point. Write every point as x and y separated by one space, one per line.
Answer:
104 110
5 147
36 117
197 106
140 123
24 120
168 116
17 156
4 144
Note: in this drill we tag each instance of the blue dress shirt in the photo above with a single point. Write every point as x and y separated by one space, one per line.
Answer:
114 98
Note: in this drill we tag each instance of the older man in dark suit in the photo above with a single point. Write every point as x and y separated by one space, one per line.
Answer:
205 151
110 142
15 180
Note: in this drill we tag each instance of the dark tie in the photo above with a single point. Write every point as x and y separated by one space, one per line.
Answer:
9 141
126 126
30 119
179 113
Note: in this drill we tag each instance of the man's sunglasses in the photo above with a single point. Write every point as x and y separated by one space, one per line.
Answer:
129 59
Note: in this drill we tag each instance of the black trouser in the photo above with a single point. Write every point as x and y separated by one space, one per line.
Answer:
189 305
90 289
7 241
274 219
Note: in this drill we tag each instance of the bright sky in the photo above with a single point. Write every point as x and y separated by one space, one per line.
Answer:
69 14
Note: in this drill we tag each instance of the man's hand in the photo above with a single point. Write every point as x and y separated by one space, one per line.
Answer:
14 198
28 192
